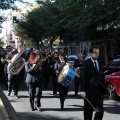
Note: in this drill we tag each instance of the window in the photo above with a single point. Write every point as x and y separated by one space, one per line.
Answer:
115 62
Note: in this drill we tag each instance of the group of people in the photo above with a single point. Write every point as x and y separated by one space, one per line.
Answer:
89 80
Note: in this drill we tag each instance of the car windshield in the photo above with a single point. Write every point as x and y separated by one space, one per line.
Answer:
115 62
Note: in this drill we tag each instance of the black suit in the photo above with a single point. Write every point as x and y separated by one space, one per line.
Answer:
62 89
34 82
93 84
46 72
77 63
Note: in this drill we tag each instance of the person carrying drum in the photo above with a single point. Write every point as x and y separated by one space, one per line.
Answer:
63 91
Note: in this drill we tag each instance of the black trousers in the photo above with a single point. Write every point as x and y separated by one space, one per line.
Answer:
77 84
63 91
97 102
35 93
46 78
13 83
55 83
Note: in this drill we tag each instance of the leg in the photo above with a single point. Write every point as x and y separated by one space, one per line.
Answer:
38 94
61 95
16 84
45 80
55 84
88 110
99 108
31 94
77 83
66 89
10 83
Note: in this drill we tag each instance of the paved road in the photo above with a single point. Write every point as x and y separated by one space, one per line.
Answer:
51 107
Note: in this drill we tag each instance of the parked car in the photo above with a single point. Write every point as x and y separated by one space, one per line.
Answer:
112 66
113 85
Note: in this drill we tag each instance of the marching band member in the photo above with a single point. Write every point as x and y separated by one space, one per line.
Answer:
63 91
2 57
34 82
13 80
77 64
7 58
92 85
54 77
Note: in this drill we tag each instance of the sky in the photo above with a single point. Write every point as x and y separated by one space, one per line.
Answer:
5 12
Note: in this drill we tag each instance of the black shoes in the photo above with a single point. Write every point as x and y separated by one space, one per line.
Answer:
55 94
62 106
16 96
9 94
32 108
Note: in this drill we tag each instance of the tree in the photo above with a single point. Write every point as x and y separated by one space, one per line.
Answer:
69 19
2 43
39 23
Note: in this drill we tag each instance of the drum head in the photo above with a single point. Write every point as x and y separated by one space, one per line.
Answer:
63 73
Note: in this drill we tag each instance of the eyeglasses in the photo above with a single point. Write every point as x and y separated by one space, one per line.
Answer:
96 52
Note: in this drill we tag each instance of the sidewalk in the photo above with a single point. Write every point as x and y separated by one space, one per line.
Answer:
6 110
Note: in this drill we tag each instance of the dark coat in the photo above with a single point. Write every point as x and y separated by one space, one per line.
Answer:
32 76
58 66
91 79
77 63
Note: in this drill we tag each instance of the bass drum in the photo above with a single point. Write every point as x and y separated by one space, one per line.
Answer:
66 75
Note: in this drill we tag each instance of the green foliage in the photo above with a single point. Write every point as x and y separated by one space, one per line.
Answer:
2 43
72 18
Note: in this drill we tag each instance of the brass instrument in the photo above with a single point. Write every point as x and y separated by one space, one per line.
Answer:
39 63
16 64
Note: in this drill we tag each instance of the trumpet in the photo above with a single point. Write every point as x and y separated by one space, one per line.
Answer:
39 63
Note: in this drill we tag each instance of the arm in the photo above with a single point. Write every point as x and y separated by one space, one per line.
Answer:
27 68
83 77
75 64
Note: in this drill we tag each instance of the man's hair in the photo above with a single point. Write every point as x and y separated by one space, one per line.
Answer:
62 54
93 47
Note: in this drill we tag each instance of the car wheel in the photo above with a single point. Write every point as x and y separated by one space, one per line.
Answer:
111 91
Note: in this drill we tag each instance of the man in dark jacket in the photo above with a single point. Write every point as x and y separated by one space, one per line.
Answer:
92 85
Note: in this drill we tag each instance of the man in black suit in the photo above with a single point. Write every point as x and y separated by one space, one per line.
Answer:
77 65
92 85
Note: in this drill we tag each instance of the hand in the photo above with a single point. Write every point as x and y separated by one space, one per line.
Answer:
34 65
77 75
57 71
83 94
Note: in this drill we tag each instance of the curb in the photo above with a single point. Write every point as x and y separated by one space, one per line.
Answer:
4 114
6 108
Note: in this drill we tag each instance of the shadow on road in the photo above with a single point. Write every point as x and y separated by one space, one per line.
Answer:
64 110
112 108
30 116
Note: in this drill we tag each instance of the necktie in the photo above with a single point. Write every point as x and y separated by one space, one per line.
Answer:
95 65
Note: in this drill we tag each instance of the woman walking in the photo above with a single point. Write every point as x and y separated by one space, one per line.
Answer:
34 81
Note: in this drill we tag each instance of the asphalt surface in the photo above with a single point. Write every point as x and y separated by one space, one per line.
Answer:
50 106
